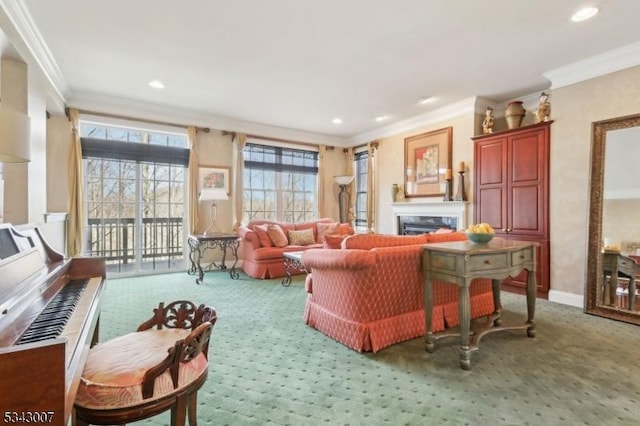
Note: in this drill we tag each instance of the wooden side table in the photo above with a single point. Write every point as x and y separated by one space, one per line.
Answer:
200 243
292 262
614 265
460 263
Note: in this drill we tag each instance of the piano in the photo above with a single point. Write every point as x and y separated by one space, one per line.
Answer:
49 317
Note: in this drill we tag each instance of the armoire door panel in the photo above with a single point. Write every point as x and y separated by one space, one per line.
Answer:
522 154
492 158
495 208
526 210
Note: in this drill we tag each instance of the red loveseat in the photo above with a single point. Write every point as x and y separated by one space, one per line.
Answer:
369 294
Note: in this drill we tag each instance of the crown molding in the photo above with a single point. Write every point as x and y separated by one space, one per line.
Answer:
446 112
98 103
595 66
18 13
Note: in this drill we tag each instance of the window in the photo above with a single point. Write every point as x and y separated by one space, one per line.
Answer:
361 160
280 183
134 197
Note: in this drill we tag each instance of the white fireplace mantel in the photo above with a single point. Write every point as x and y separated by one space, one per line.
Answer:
457 209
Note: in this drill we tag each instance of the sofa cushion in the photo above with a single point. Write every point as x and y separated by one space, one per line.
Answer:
346 229
369 241
270 254
327 229
263 236
333 241
301 238
277 235
443 238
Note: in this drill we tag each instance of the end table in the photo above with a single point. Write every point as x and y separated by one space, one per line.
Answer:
200 243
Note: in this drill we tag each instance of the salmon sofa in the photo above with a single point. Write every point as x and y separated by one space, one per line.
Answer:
264 259
368 294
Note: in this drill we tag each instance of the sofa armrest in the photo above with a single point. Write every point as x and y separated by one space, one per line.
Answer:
338 259
249 236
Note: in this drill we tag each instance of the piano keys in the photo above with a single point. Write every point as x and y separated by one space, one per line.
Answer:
49 315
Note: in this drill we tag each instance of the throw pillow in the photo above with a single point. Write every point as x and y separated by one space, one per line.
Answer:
327 229
277 235
302 237
443 231
263 236
346 229
333 241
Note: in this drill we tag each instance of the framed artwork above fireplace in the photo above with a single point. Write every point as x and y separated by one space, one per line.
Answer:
427 163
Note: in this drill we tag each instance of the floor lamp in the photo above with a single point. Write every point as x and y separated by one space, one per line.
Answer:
344 197
213 195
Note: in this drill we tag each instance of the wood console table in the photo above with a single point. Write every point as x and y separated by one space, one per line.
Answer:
614 265
200 243
459 263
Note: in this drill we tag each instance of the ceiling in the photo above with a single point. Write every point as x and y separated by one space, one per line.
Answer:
299 64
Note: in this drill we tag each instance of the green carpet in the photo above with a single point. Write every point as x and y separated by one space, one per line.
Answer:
268 367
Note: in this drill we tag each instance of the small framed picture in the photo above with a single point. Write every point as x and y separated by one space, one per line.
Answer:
214 177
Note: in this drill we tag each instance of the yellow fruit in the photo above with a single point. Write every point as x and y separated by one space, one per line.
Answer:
480 228
486 228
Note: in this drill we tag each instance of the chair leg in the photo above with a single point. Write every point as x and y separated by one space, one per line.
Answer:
192 406
179 411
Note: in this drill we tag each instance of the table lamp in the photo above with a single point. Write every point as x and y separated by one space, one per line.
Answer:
213 195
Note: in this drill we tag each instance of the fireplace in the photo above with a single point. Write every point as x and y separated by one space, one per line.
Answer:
412 218
413 225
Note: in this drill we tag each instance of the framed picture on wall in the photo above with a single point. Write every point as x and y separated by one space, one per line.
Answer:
427 162
213 177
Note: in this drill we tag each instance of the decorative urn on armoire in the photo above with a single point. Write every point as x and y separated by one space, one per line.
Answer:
514 114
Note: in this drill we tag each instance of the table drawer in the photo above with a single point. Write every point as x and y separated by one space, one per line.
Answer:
486 262
521 257
443 262
624 263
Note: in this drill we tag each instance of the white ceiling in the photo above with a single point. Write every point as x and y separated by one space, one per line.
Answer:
298 64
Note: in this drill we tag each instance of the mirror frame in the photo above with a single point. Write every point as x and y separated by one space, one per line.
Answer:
594 260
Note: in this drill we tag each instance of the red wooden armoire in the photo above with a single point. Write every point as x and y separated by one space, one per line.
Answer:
511 192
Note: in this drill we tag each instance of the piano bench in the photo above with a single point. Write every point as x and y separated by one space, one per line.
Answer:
139 375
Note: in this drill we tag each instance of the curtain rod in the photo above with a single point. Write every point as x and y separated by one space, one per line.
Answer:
374 143
141 120
266 138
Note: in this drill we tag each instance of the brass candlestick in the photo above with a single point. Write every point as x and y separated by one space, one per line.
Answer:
448 195
460 195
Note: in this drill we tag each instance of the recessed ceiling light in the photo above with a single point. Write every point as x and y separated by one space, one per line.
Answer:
426 100
382 118
156 84
584 14
337 120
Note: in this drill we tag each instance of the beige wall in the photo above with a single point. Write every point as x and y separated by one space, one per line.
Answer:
574 108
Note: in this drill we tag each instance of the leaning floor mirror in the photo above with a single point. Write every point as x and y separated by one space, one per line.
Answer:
614 232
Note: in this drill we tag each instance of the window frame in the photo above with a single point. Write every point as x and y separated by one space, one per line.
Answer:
280 170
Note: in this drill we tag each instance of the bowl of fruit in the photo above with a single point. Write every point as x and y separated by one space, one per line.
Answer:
480 233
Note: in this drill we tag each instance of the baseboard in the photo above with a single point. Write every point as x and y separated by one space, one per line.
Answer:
565 298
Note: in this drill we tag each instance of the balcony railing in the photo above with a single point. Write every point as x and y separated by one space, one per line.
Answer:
160 239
